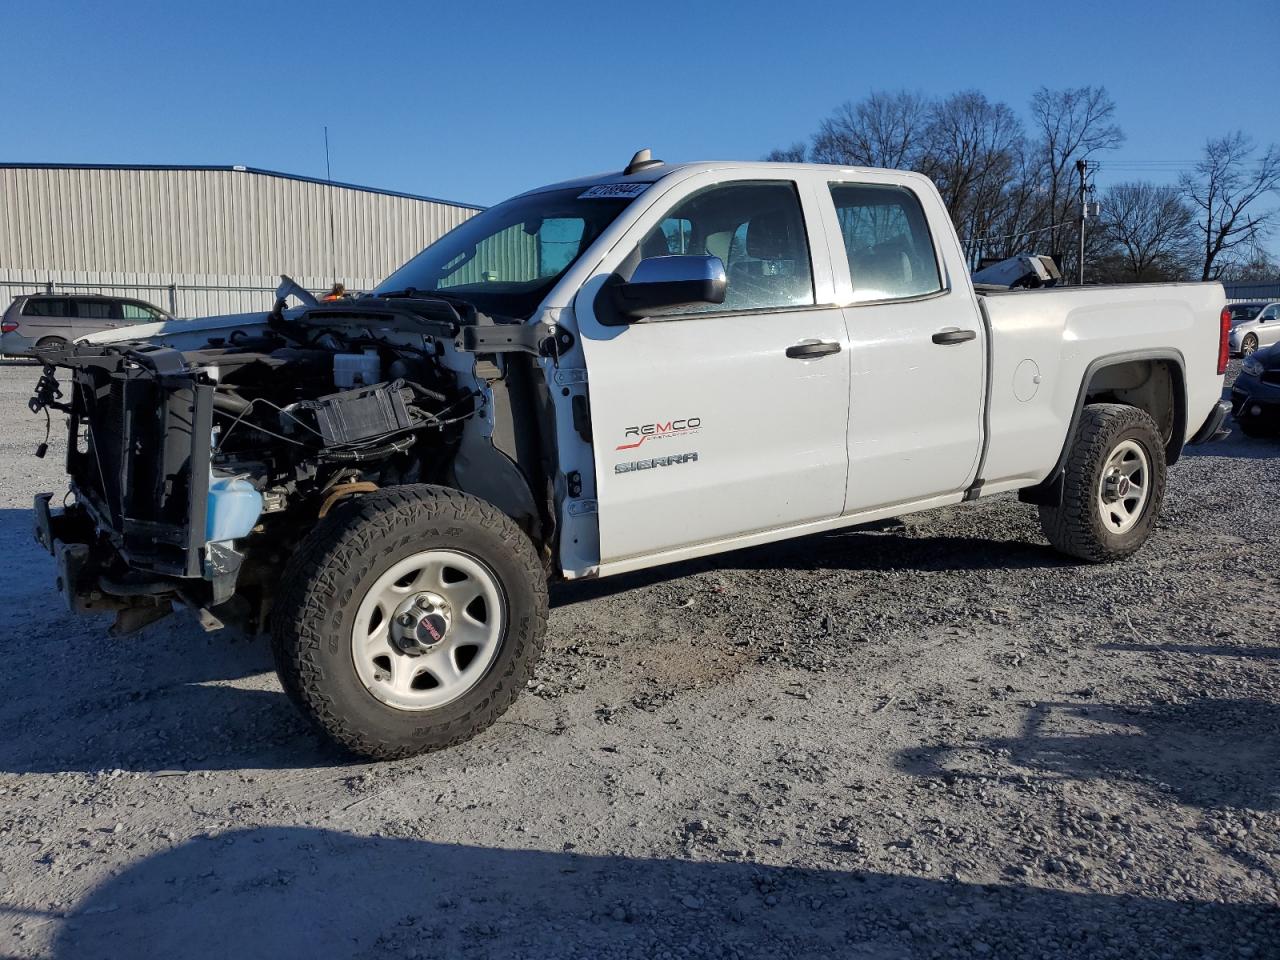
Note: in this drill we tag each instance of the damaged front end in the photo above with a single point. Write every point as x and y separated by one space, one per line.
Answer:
196 472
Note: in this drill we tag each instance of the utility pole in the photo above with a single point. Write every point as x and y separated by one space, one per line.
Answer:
1081 167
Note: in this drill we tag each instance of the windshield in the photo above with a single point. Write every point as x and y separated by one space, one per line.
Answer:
506 259
1242 312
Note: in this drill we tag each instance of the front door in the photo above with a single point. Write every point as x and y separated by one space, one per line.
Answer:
715 421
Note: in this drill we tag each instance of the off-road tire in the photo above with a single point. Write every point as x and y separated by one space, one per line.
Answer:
1075 526
325 581
1249 346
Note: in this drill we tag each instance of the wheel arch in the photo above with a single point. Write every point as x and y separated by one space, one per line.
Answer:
1151 380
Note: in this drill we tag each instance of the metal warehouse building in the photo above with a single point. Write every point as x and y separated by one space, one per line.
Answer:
200 240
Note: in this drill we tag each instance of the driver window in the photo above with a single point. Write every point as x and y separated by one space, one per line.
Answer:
757 231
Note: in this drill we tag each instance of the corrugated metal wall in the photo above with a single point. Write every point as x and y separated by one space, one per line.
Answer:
218 237
1253 290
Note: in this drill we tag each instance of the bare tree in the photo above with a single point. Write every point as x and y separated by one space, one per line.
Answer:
1151 230
1072 124
881 130
1227 185
1257 264
971 148
792 154
1021 216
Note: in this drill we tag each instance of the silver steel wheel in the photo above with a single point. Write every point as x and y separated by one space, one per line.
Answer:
1124 487
428 629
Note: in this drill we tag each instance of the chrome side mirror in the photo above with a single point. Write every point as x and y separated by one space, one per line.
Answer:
665 282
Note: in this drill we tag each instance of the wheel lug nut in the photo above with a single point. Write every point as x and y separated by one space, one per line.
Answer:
406 619
424 603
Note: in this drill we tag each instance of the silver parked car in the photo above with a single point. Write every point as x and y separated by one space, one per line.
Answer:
54 319
1253 326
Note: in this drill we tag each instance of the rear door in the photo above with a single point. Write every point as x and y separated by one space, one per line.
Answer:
917 347
709 423
46 316
95 314
1269 325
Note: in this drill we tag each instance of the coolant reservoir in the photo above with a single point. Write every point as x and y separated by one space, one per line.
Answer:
233 508
356 369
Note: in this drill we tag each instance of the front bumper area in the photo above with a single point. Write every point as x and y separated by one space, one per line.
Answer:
84 563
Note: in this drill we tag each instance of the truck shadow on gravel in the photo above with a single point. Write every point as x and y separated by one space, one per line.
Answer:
304 892
1237 445
171 698
1205 753
887 548
164 724
1197 650
174 701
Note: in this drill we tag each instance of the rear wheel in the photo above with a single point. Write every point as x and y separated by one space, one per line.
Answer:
1113 486
1249 346
50 343
409 620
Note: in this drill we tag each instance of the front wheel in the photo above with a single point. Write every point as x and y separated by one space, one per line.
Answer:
409 620
1113 486
1249 346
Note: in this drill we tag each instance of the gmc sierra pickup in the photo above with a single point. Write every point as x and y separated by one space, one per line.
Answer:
593 377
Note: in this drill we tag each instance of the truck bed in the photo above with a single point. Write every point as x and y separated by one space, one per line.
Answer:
1055 334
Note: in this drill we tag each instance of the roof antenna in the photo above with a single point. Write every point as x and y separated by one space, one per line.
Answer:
642 160
328 175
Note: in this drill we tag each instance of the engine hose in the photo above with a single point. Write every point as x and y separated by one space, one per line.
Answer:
371 453
229 402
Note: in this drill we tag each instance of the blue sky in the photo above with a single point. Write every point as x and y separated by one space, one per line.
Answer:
474 102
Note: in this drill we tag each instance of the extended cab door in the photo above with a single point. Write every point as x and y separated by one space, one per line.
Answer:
713 421
917 343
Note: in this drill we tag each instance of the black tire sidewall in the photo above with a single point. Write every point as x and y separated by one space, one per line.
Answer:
329 579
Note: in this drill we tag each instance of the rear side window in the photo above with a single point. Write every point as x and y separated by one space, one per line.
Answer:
45 307
756 229
93 309
139 312
887 241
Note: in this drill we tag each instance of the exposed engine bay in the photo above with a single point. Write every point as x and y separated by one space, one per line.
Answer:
197 468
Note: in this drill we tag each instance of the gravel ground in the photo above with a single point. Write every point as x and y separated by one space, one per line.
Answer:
933 738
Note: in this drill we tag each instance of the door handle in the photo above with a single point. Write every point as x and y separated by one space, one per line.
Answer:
812 348
954 335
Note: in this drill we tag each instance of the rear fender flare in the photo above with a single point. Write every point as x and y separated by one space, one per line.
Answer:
1048 492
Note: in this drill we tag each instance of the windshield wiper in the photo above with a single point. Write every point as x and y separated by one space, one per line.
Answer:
413 293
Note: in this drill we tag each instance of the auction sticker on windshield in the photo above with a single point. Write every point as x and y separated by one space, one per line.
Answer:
610 190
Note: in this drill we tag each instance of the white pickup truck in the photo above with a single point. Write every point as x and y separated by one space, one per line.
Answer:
594 377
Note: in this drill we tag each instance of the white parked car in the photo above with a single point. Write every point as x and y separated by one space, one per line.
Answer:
1253 326
597 376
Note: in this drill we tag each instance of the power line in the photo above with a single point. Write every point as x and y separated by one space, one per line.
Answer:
1020 233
